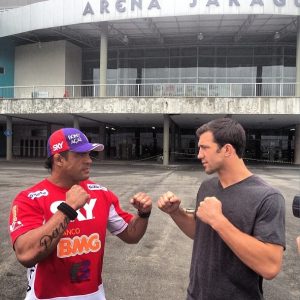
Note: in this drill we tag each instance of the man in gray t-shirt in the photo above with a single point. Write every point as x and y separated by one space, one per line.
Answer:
238 227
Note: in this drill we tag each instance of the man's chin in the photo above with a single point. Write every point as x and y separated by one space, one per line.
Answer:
208 171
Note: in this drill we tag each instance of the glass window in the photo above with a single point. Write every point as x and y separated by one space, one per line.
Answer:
156 68
111 53
175 68
290 50
221 70
112 64
206 51
157 52
127 73
175 52
289 74
136 53
290 61
222 51
268 50
189 67
189 52
2 70
240 51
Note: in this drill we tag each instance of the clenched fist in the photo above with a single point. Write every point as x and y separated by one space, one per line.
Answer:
168 203
209 210
142 202
77 197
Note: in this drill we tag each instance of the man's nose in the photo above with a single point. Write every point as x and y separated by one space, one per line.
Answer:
200 154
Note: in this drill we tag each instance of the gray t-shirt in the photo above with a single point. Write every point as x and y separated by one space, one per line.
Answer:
255 208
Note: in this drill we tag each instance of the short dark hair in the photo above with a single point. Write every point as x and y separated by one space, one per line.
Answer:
49 161
226 131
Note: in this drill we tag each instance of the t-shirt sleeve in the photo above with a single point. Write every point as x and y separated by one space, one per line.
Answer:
270 221
118 219
25 215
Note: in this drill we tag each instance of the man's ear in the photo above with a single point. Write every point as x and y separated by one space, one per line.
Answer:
229 150
57 159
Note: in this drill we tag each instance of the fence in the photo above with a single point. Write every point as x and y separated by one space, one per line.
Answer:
152 90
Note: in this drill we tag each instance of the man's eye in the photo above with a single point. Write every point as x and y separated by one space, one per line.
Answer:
83 154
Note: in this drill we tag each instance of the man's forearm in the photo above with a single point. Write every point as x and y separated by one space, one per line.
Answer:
135 230
35 245
185 221
263 258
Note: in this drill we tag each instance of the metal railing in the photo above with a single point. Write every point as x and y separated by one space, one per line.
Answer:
151 90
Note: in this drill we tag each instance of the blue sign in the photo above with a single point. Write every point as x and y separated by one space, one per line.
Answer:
8 132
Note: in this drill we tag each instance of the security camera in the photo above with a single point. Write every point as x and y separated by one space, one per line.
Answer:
296 206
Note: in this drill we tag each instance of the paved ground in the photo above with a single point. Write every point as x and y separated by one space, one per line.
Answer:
156 268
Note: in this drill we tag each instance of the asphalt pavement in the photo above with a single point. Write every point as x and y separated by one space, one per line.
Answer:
157 267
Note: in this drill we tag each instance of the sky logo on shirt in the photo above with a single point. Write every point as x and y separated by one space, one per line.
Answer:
88 208
78 245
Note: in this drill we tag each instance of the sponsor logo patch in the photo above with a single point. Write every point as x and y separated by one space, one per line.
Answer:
87 208
38 194
57 146
96 187
78 245
15 223
80 271
74 138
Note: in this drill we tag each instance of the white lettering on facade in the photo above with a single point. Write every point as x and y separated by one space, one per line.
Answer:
122 6
137 3
88 9
154 4
212 2
279 3
235 2
258 2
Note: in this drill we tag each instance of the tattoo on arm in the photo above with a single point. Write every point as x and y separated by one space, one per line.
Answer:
47 240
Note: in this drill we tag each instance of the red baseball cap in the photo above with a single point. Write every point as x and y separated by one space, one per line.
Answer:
70 139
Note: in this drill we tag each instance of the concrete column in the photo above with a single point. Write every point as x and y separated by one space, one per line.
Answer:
166 140
103 60
9 138
102 137
297 145
173 141
137 135
76 122
297 90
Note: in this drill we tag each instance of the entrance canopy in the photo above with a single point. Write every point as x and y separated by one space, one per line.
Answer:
153 22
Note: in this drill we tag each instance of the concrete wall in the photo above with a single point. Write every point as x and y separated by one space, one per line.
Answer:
212 105
73 64
47 64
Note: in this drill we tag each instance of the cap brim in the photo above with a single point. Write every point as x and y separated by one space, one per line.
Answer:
88 147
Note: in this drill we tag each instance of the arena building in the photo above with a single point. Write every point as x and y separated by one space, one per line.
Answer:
141 75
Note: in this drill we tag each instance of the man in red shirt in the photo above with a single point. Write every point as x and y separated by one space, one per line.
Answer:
58 226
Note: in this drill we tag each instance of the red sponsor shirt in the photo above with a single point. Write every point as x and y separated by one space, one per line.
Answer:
75 267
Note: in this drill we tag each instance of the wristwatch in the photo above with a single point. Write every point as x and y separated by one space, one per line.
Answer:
144 215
